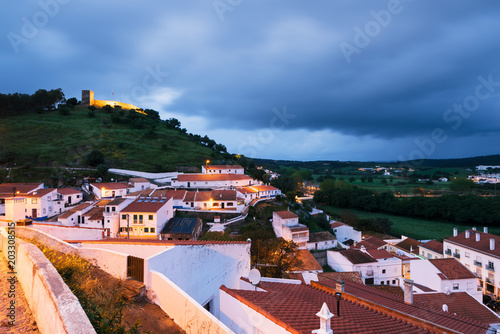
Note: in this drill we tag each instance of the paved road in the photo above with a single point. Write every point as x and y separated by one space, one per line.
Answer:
24 323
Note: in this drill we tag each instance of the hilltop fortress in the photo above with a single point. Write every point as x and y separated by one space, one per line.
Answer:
88 100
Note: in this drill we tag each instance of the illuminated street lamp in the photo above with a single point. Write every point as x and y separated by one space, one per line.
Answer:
207 162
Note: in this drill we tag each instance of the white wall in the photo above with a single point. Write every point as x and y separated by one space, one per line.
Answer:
392 269
208 266
242 319
338 262
142 251
183 309
344 233
69 232
321 245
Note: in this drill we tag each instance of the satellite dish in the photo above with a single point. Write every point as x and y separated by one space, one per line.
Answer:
254 276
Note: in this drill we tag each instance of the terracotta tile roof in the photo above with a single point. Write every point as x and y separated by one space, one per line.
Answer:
41 192
356 256
460 303
409 244
247 190
309 263
321 236
111 185
137 180
483 245
94 214
68 191
74 210
285 214
337 224
224 195
212 177
103 202
146 204
117 201
294 307
416 310
393 290
370 243
203 196
434 246
145 192
380 254
265 188
22 188
353 276
452 269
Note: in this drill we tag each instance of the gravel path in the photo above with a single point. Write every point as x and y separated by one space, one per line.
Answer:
24 321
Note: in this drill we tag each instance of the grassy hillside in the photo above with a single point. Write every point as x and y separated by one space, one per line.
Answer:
53 139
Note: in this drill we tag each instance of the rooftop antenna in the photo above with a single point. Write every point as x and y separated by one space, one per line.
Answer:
254 277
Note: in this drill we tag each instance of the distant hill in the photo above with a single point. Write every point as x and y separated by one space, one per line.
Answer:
126 138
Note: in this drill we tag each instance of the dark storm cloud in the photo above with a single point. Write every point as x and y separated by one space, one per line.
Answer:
229 67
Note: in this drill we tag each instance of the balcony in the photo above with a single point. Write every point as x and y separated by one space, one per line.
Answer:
477 263
369 273
489 280
490 268
448 252
456 255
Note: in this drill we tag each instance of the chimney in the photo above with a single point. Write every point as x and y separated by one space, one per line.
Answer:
455 232
492 244
408 291
340 286
474 228
467 234
324 320
478 236
485 229
445 308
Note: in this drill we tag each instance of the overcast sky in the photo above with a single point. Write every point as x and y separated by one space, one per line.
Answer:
283 79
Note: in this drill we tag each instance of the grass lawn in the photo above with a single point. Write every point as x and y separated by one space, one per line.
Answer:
413 227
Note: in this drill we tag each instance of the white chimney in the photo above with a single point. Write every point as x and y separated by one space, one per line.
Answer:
408 291
467 234
478 236
492 244
455 232
474 228
324 321
445 308
485 229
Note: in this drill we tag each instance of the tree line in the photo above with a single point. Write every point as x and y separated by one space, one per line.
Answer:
17 103
464 209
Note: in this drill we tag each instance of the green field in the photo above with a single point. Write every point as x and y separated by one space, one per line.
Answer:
52 139
412 227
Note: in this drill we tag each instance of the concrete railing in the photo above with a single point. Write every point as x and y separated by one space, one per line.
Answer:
112 262
54 307
185 311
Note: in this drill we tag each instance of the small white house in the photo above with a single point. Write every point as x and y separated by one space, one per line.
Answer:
138 184
286 225
222 169
146 216
321 241
73 217
109 189
43 203
446 275
431 250
70 196
345 232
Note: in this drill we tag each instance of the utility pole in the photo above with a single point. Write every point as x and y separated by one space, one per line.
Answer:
128 229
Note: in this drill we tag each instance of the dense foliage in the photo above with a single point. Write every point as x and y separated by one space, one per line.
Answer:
466 209
12 104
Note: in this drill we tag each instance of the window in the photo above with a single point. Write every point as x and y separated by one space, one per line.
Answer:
430 256
381 282
146 230
456 286
33 201
216 204
152 230
150 217
135 217
49 198
113 209
467 254
44 210
124 216
393 281
383 271
107 209
230 204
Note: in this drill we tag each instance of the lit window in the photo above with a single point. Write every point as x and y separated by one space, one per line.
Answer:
33 201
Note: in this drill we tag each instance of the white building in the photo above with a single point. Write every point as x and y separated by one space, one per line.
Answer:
211 181
446 275
484 167
222 169
321 241
139 183
380 269
111 215
11 190
110 189
43 203
480 253
146 216
431 250
344 232
286 225
73 217
70 196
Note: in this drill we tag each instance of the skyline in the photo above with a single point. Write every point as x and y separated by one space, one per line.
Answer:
378 81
